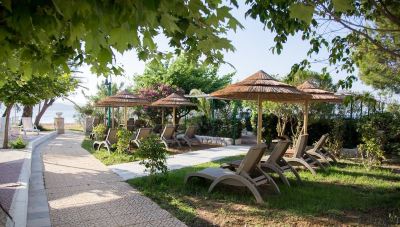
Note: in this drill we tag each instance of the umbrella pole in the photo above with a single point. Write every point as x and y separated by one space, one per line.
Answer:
125 116
174 115
305 116
259 121
162 116
112 117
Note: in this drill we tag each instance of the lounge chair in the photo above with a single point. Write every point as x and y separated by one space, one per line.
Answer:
319 152
189 137
274 162
142 133
28 126
110 139
248 174
168 136
300 158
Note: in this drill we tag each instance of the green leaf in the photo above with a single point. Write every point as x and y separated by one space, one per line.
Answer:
27 72
302 12
342 5
7 4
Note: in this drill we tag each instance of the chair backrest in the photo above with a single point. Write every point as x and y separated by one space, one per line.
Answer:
168 132
301 145
112 135
278 151
143 133
252 158
190 132
320 142
27 123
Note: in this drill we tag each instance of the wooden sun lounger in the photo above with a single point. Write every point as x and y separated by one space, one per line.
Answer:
319 152
300 158
189 136
273 163
248 174
168 136
110 139
142 133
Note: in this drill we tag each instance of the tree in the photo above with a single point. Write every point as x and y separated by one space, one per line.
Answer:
182 73
337 25
203 104
155 92
38 36
31 92
380 70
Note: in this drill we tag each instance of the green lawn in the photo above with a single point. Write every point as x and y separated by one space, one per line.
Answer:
344 194
105 157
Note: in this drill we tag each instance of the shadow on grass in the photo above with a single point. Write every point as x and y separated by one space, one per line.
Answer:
327 194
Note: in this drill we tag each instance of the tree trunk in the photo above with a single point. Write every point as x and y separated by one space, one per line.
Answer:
47 103
7 115
27 111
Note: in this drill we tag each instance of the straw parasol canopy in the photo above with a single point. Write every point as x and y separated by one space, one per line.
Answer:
260 86
319 95
123 99
173 100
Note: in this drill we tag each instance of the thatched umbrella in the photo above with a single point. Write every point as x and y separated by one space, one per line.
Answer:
173 100
260 86
123 99
317 95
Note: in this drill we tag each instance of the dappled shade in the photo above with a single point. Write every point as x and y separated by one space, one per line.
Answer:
262 86
319 95
173 100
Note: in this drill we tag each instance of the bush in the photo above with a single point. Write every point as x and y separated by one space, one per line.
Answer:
99 131
153 155
335 139
124 138
371 152
218 127
18 143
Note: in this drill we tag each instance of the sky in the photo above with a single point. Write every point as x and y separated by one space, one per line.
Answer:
252 54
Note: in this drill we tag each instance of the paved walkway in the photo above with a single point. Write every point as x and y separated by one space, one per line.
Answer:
81 191
134 169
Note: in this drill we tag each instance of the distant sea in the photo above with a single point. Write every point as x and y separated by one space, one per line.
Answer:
68 112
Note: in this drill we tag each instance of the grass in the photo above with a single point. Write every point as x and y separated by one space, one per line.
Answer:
105 157
345 193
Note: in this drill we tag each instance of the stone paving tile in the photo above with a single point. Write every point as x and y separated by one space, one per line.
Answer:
82 191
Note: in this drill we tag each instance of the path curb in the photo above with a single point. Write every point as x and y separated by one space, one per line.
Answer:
19 206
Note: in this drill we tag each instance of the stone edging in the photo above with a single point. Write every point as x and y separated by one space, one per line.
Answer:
19 206
223 141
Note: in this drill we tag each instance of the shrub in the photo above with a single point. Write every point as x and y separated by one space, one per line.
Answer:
18 143
124 138
335 139
370 152
99 131
153 155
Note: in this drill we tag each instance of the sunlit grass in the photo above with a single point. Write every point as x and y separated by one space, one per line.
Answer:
105 157
344 187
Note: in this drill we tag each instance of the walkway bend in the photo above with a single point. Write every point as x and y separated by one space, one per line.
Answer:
134 169
82 191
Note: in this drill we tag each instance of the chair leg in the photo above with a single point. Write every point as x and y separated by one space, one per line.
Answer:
319 156
293 170
302 163
240 179
278 171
